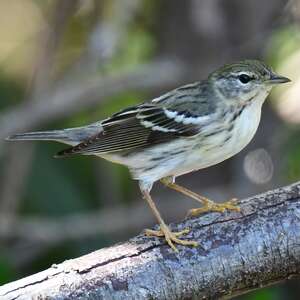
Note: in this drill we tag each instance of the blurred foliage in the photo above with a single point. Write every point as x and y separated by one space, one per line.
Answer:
11 91
265 294
18 44
72 186
138 48
283 42
7 271
73 41
291 159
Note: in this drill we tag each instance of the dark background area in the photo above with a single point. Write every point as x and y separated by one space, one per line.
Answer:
68 63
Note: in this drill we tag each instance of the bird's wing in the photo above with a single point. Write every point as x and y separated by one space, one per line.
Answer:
141 126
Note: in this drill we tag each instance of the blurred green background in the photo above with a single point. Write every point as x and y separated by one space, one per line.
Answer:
69 62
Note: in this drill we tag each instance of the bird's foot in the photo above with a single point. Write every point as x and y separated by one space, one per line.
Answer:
171 237
212 206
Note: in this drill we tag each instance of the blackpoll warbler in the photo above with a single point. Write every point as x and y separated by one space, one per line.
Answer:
190 128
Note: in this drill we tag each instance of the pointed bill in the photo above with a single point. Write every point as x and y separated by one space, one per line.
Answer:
277 79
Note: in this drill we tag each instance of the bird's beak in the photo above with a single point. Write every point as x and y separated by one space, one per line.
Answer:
277 79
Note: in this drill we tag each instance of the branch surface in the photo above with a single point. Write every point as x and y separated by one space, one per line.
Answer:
240 252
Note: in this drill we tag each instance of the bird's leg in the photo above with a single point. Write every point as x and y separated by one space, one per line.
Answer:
164 231
208 205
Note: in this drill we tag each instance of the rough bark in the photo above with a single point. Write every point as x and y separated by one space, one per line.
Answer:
240 252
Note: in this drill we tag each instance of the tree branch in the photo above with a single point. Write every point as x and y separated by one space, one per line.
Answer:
240 252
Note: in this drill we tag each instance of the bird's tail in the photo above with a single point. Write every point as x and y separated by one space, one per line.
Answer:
51 135
70 136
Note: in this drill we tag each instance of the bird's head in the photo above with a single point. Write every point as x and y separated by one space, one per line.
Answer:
248 80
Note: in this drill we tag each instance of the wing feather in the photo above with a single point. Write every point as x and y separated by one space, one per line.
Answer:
142 126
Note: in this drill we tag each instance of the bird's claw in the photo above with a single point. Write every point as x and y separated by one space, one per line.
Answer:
171 237
218 207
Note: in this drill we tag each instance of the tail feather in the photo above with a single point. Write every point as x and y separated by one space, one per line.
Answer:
39 135
70 136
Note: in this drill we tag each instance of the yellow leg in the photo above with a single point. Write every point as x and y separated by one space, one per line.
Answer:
170 237
208 205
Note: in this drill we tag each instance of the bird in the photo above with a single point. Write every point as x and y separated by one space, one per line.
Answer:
189 128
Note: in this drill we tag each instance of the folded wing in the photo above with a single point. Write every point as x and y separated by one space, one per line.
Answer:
164 119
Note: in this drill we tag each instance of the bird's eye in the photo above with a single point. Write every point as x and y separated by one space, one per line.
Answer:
244 78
